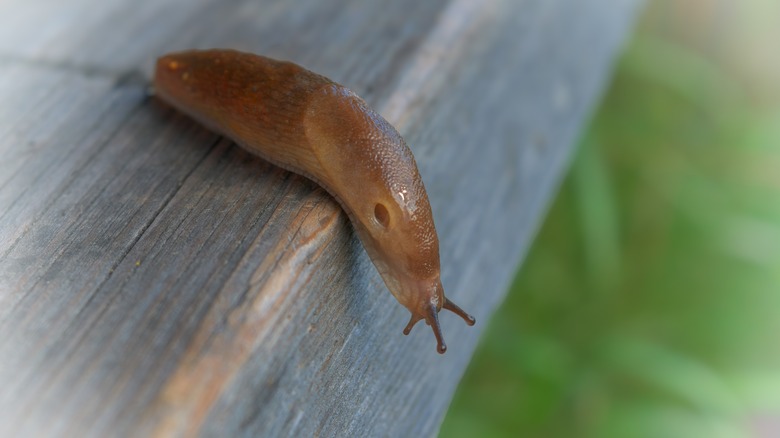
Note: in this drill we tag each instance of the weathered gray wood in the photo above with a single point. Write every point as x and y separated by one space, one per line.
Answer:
157 280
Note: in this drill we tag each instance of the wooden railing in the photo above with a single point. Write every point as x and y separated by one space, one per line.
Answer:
155 279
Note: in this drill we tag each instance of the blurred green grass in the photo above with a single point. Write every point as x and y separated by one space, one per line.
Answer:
649 304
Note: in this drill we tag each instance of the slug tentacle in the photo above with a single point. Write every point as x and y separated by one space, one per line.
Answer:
431 316
432 319
312 126
412 321
454 308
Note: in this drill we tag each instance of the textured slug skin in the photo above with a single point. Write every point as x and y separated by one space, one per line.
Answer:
312 126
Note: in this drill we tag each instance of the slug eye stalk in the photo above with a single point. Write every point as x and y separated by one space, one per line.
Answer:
432 319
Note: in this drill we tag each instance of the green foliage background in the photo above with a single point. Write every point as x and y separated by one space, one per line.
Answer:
649 305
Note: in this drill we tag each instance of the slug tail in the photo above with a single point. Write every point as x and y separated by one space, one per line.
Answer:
454 308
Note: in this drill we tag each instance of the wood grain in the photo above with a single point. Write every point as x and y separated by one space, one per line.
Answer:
156 280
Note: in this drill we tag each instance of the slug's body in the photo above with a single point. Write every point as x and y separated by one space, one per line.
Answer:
310 125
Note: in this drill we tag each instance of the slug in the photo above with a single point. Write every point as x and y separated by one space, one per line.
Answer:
312 126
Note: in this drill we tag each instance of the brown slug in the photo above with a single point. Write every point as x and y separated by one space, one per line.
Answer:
310 125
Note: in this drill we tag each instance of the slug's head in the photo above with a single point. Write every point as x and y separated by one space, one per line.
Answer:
405 249
375 177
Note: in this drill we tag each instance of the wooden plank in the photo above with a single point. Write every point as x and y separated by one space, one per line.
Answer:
157 280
